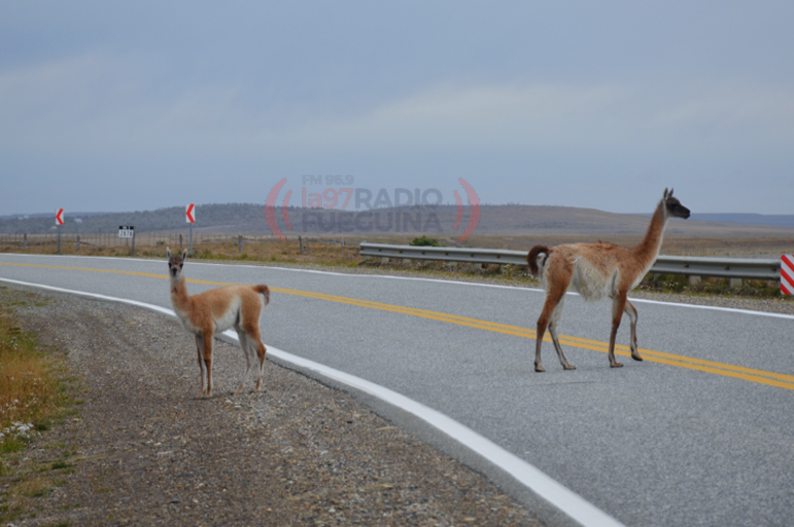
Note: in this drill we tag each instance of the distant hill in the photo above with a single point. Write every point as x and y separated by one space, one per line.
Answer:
249 218
770 220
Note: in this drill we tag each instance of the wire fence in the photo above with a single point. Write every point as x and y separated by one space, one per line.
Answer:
101 239
93 242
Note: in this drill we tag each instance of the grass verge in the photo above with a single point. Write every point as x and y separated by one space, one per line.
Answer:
34 395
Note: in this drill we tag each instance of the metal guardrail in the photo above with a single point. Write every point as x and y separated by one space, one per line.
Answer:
757 269
753 268
446 254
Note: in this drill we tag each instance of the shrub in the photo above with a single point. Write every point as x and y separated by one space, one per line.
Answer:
425 241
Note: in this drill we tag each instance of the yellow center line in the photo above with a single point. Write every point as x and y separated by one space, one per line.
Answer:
768 378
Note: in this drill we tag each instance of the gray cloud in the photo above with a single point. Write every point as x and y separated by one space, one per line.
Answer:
560 105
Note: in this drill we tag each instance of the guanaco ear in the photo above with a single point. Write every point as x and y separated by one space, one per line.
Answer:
671 193
168 252
666 194
184 254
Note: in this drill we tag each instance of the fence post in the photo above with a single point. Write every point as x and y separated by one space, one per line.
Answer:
77 244
132 250
240 244
25 241
300 244
58 241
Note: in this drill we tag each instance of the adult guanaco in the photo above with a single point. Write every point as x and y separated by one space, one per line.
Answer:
596 270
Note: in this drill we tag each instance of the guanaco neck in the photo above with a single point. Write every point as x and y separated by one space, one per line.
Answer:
179 296
649 247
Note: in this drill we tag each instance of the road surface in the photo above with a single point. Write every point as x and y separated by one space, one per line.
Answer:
698 434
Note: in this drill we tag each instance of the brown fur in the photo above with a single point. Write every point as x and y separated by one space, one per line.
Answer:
596 270
216 310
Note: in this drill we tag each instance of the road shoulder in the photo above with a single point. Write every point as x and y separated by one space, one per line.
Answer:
144 450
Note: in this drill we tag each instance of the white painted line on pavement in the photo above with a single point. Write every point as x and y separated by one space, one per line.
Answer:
528 475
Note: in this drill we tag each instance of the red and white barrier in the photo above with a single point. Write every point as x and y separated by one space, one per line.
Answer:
787 274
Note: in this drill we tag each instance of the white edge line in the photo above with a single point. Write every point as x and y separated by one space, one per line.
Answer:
564 499
769 314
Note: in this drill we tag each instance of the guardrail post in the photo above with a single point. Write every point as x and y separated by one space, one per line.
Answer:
694 279
734 283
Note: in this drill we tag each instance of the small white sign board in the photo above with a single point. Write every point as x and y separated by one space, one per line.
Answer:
126 231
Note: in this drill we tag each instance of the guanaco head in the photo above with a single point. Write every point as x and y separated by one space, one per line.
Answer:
673 207
175 262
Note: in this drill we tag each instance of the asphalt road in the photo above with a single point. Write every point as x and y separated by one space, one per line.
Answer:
699 434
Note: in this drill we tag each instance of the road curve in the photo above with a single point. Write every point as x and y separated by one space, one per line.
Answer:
698 434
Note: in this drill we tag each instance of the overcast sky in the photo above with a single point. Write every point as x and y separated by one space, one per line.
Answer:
119 106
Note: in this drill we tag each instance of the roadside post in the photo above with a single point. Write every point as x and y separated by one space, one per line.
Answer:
58 225
787 274
127 232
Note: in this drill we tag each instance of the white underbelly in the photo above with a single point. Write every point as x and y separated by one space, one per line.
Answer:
591 283
230 317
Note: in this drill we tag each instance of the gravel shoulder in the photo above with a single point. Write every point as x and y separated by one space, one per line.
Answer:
143 450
